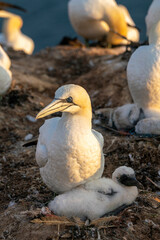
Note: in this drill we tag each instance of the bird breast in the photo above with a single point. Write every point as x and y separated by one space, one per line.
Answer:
74 155
143 75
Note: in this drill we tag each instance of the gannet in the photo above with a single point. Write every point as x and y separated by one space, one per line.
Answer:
153 15
122 118
143 74
5 63
69 152
132 31
5 73
12 36
98 197
96 19
5 80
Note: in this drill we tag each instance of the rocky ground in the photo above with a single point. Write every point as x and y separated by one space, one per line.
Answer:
23 194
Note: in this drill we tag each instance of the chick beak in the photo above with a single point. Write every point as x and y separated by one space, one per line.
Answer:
129 181
133 182
58 105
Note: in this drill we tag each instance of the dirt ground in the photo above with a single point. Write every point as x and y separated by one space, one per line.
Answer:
102 73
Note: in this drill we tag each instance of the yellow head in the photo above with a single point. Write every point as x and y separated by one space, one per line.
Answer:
69 98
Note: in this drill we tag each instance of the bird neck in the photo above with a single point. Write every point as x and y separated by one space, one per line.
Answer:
81 118
11 28
154 34
116 21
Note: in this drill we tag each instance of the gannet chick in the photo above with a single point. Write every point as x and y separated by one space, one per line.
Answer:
93 20
12 36
121 118
143 74
99 197
69 152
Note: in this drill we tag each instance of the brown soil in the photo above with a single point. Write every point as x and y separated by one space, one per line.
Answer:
23 193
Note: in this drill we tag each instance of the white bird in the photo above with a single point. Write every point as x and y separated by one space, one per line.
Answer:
99 197
12 36
122 118
5 63
69 152
94 20
132 31
5 80
4 59
153 15
143 74
5 73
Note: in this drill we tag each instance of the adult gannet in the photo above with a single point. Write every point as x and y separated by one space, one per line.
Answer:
98 197
96 19
143 74
132 31
12 36
153 15
5 73
5 63
5 80
69 152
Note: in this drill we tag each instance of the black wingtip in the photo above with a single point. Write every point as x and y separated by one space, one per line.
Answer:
30 143
4 5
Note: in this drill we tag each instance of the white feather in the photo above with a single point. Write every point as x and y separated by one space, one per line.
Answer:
95 198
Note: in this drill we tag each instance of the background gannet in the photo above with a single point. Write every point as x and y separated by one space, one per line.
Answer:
12 36
143 74
132 31
5 80
152 15
98 197
69 151
93 20
5 73
4 59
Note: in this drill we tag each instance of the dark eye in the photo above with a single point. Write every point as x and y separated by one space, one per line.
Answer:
69 99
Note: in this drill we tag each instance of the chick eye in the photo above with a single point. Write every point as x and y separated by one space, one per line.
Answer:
69 100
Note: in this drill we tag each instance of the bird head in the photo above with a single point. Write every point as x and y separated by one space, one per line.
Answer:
69 98
125 176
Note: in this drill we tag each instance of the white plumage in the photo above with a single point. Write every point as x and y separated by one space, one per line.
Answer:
12 36
98 197
143 74
69 152
153 15
5 73
93 20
